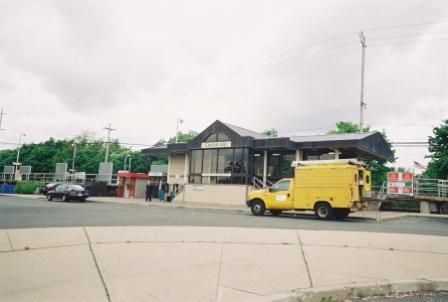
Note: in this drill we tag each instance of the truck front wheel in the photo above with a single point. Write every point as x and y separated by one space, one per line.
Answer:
257 207
323 211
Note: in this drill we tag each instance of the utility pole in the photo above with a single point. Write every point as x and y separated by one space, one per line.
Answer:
109 130
362 104
2 113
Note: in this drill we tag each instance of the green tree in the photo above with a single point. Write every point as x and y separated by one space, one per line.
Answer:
271 132
438 149
347 127
183 137
378 168
89 153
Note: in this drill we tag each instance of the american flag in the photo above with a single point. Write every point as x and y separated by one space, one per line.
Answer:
419 165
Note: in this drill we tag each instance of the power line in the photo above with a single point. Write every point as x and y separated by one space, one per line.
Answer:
262 69
408 42
405 25
406 36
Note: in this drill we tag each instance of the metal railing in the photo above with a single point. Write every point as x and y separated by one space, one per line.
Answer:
382 193
259 184
430 187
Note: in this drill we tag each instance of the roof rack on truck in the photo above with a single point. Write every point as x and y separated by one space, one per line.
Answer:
350 161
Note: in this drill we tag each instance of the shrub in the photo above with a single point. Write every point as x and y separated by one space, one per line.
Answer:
27 187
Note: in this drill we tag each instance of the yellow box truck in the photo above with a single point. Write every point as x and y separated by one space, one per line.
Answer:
330 188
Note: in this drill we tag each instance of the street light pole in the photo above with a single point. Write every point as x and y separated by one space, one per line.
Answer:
17 164
179 121
2 113
20 145
74 157
125 161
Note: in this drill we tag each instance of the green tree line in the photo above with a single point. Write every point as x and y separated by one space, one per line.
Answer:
89 153
42 157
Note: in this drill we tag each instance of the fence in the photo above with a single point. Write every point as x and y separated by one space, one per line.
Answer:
84 179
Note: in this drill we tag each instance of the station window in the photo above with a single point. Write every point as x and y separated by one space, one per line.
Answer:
208 165
217 137
196 161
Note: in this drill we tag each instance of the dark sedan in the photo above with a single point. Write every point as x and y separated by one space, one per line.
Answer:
68 192
48 187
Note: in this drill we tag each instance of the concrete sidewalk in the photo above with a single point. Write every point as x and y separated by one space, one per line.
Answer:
213 264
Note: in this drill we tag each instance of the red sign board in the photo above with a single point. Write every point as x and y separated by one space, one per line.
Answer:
400 183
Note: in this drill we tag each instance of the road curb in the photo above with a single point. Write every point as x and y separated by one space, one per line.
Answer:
377 289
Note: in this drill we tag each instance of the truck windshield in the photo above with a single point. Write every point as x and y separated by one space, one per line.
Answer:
282 185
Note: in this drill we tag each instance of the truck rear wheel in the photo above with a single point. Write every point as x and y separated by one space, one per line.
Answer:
323 211
257 207
444 208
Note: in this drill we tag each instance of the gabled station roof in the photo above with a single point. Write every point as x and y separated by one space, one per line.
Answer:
371 145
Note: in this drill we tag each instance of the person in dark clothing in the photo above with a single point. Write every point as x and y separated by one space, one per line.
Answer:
148 192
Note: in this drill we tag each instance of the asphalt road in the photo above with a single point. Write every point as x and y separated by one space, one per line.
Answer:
17 212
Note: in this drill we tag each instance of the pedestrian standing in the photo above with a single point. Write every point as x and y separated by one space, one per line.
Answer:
148 192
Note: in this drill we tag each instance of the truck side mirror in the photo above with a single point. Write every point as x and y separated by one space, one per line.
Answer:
271 190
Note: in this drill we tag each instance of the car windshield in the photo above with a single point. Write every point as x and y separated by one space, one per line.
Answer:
75 187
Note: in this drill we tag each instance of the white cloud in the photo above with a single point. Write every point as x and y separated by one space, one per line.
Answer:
74 65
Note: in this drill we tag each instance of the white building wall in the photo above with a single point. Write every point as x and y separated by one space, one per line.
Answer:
215 194
177 169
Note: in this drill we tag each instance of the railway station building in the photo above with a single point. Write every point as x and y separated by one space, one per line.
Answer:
221 164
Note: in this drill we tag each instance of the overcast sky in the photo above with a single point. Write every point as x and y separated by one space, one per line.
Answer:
69 66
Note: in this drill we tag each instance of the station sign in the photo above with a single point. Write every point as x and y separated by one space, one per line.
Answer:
400 183
216 145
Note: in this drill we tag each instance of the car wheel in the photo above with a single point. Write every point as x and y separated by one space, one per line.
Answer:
323 211
444 208
83 199
258 208
276 212
49 197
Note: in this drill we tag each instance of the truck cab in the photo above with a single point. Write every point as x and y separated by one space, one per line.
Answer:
332 189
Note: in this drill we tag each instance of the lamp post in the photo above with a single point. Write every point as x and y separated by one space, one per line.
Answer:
125 161
74 157
17 164
179 121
